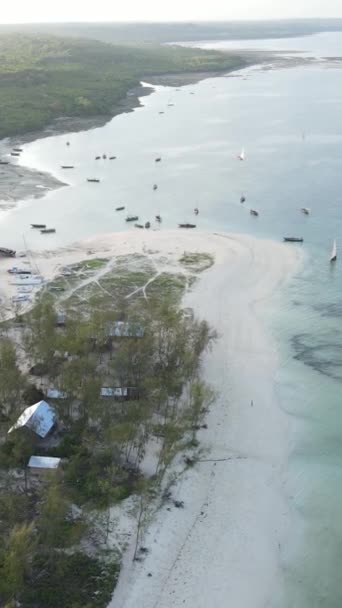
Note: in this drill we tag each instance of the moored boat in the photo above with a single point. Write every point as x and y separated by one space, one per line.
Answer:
112 157
187 225
67 167
93 180
15 153
196 212
132 218
138 225
15 270
333 256
242 199
4 162
158 218
38 225
254 212
155 187
242 155
305 210
17 150
293 239
97 157
119 208
7 253
48 230
158 159
148 225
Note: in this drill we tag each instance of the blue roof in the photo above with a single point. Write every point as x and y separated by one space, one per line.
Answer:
39 418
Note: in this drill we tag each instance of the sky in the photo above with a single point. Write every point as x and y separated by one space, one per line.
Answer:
31 11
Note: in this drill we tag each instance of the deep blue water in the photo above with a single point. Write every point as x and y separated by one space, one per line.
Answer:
290 123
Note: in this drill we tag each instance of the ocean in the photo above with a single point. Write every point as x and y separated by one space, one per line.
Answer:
289 122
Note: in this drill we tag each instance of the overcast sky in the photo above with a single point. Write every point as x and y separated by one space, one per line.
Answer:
26 11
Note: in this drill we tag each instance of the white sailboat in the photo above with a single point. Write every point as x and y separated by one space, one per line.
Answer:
333 252
242 155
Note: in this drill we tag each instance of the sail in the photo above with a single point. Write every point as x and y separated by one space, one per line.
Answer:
242 154
333 252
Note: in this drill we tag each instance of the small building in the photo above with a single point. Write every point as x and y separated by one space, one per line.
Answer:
40 465
39 418
54 393
125 329
60 319
121 393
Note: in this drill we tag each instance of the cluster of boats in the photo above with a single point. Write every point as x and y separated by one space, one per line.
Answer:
43 229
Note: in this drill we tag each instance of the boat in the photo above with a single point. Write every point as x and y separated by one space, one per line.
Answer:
242 155
155 187
93 180
170 104
254 212
161 112
7 253
158 159
112 157
293 239
67 167
17 149
242 199
15 153
21 298
119 208
148 225
305 210
4 162
132 218
68 143
97 157
333 252
48 230
158 218
187 225
15 270
104 156
138 225
38 225
196 211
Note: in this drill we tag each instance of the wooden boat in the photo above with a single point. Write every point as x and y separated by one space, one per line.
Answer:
119 208
187 225
132 218
170 104
242 155
67 167
155 187
4 162
7 253
104 156
48 230
158 218
68 143
161 112
254 212
97 157
158 159
196 211
16 270
38 225
17 149
242 199
138 225
15 153
305 210
112 157
148 225
293 239
333 256
93 180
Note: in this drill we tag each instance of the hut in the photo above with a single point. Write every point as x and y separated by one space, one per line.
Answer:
41 466
39 419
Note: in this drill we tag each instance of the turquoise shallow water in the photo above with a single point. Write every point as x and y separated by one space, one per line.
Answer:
290 123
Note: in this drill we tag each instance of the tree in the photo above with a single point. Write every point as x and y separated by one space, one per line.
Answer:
19 553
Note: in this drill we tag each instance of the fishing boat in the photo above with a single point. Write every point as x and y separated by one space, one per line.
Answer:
93 180
293 239
333 256
104 156
187 225
158 218
15 270
68 143
132 218
305 210
138 225
155 187
15 153
112 157
148 225
242 199
4 162
158 159
17 150
67 167
7 253
254 212
48 230
119 208
196 212
38 225
97 157
242 155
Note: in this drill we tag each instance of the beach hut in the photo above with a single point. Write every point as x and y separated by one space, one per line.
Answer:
43 466
125 329
39 419
54 393
120 393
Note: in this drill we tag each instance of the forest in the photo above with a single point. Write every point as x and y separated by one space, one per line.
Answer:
45 77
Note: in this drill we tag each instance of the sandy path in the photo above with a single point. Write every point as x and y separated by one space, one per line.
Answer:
224 548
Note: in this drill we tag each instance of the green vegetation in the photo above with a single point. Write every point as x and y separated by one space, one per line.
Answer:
44 77
54 527
197 262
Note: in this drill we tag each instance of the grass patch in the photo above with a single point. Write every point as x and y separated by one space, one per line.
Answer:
197 262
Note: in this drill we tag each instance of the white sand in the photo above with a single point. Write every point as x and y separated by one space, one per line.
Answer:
224 548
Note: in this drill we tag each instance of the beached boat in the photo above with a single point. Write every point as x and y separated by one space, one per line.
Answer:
158 159
97 157
305 210
187 225
4 162
38 225
48 230
158 218
242 155
21 298
333 256
17 150
148 225
93 180
119 208
67 167
112 157
138 225
132 218
7 253
254 212
15 153
16 270
155 187
293 239
242 199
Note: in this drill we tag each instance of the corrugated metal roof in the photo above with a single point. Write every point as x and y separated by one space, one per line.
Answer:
39 418
43 462
125 329
114 392
54 393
